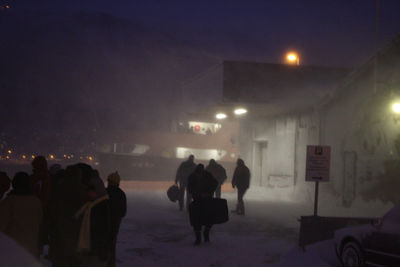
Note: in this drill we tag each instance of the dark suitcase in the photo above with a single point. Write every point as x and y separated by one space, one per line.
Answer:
173 193
220 209
209 211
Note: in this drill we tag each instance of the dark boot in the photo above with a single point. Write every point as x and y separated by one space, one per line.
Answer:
198 238
206 235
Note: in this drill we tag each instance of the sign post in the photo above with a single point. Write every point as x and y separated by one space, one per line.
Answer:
317 168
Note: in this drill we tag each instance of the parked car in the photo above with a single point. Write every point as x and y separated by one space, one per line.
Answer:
375 244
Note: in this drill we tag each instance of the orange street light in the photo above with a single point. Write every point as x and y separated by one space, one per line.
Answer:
292 58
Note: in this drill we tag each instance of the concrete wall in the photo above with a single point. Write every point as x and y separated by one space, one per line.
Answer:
275 149
361 128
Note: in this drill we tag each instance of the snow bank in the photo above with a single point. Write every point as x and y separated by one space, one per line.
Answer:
13 255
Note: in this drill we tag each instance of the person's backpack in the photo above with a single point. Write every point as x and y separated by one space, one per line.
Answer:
173 193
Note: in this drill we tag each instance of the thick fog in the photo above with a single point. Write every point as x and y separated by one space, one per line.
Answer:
144 92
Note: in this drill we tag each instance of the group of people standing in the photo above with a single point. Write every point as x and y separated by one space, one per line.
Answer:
200 183
70 210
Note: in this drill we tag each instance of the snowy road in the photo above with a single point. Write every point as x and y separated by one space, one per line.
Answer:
155 233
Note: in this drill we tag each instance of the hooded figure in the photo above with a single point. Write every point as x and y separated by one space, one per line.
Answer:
202 186
241 180
118 211
21 214
185 169
95 231
219 174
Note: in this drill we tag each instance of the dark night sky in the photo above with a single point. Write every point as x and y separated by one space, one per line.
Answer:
331 32
121 63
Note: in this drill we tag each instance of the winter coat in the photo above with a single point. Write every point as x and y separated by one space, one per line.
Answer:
202 185
20 218
218 172
241 177
185 169
41 185
100 229
117 207
70 194
99 226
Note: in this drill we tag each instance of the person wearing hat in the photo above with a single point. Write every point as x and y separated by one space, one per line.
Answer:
118 211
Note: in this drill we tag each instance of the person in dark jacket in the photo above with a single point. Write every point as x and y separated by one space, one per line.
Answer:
70 194
185 169
118 211
41 186
40 179
241 180
21 214
57 175
95 232
219 174
201 185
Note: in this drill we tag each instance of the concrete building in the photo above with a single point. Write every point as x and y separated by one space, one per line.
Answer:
282 119
355 112
360 121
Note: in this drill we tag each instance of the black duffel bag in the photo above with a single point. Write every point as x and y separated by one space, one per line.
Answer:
173 193
208 211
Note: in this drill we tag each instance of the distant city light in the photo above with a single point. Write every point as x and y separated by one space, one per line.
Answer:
292 58
240 111
90 158
9 151
396 107
221 116
33 156
24 156
52 157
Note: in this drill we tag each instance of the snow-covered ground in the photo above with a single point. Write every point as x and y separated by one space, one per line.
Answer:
155 233
13 255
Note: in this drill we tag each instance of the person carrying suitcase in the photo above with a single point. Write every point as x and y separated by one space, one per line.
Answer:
241 180
201 185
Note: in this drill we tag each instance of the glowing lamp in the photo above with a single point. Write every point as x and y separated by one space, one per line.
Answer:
396 107
240 111
221 116
292 58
